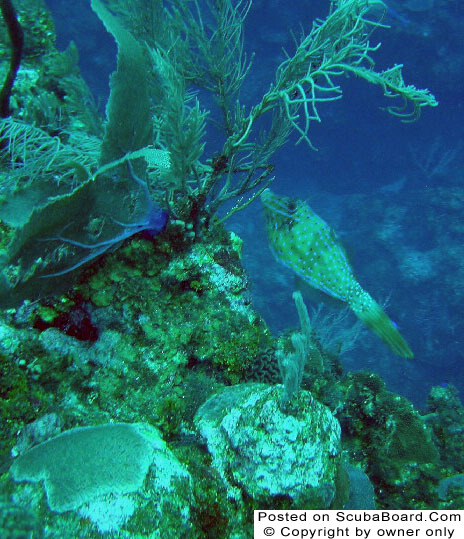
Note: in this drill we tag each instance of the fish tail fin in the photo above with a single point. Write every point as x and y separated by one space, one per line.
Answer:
372 314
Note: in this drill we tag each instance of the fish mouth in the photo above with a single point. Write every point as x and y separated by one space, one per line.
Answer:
266 196
276 204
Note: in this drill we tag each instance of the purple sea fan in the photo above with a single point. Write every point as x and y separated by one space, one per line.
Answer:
153 223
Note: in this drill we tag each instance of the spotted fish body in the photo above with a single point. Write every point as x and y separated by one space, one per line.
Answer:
305 243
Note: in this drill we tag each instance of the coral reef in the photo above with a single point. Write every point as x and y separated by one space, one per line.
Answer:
391 440
260 452
101 472
140 391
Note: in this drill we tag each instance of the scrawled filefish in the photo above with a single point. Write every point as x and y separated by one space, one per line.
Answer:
304 242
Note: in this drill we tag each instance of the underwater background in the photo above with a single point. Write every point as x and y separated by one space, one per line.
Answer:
169 336
391 190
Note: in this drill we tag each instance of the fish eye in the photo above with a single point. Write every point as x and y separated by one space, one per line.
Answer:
291 206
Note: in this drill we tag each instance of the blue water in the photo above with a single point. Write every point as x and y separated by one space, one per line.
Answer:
393 191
